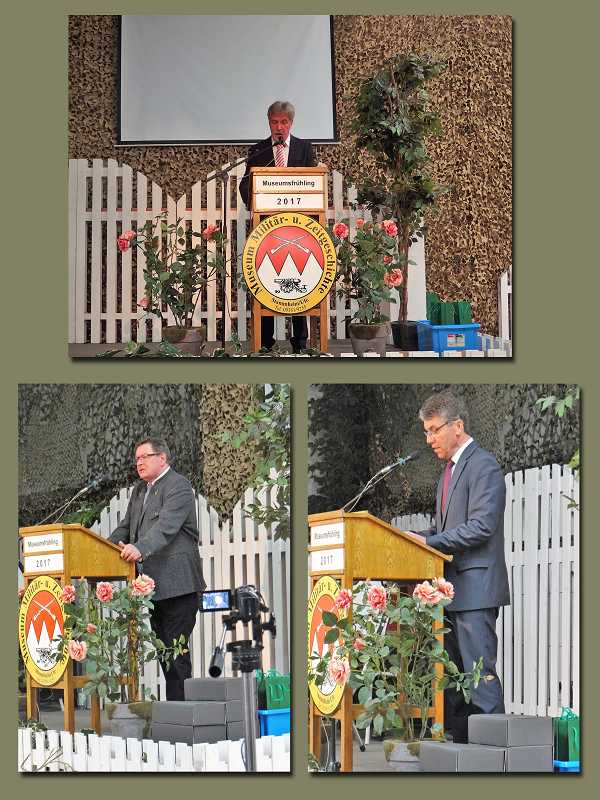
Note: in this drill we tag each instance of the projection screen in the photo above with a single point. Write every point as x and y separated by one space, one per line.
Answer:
210 79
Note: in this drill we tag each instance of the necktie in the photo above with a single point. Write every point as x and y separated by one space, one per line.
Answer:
279 155
446 484
148 487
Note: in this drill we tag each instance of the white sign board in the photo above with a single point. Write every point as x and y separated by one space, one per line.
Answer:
333 533
43 543
332 560
51 563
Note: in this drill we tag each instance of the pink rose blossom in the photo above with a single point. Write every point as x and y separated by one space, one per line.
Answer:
142 586
445 587
393 278
208 232
338 670
20 593
340 230
144 303
91 628
387 259
68 594
427 594
390 227
359 644
344 599
123 244
104 591
360 223
377 597
129 235
77 650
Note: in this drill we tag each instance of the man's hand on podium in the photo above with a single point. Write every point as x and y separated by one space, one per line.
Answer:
129 552
418 537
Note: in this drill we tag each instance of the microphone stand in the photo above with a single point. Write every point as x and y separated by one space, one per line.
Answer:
374 480
223 176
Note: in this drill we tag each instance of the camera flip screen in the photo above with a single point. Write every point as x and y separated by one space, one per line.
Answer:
217 600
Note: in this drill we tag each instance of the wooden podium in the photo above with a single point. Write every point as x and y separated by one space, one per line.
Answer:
358 546
65 553
267 198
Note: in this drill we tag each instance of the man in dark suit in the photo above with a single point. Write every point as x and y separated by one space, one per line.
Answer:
470 527
280 149
160 532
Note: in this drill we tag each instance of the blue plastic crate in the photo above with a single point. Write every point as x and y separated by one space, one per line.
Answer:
438 338
567 766
274 722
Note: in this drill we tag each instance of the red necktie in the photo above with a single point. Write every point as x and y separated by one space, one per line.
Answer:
446 484
279 157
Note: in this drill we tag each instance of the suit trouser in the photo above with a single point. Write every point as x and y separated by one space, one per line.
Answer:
299 332
472 635
169 619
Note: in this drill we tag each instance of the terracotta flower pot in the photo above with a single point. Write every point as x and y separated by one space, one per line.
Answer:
190 340
369 336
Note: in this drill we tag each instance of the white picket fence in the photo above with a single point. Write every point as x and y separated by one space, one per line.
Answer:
538 634
105 286
234 553
505 305
60 751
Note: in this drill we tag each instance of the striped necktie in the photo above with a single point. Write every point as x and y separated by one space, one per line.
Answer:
279 155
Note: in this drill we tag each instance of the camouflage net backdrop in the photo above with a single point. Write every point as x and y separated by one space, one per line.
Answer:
469 242
357 429
70 434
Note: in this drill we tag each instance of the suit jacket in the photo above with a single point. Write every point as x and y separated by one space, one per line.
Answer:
165 531
300 155
472 531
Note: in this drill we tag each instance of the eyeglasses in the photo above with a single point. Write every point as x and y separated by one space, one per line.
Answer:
137 459
435 431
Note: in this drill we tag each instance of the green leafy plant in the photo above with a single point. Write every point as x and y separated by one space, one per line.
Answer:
393 120
86 514
389 652
177 266
368 267
140 350
569 402
268 425
108 630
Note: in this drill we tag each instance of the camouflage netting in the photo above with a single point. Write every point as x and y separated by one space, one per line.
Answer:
469 243
227 471
70 434
504 420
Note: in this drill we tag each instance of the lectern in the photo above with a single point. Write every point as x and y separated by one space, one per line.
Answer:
66 553
275 189
358 546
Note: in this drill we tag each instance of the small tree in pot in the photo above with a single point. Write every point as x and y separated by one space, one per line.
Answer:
393 120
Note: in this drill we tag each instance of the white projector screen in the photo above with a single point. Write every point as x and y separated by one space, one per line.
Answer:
210 79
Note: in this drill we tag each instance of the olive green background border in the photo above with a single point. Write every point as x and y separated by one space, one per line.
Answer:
556 263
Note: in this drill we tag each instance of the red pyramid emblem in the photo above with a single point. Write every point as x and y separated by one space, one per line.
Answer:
289 241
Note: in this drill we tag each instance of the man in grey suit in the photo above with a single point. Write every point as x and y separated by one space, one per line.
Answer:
160 532
470 527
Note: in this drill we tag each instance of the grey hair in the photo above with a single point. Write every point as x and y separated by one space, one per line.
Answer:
282 107
446 405
158 445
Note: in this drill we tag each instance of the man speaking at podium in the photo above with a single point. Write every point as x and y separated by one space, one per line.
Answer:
469 526
160 531
280 149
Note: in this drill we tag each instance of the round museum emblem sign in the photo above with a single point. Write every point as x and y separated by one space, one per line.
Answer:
41 624
322 598
289 263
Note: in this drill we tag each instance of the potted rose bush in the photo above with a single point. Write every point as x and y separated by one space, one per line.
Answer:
368 268
107 630
177 268
391 654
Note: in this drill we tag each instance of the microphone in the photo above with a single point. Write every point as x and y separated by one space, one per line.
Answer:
379 476
91 486
400 462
